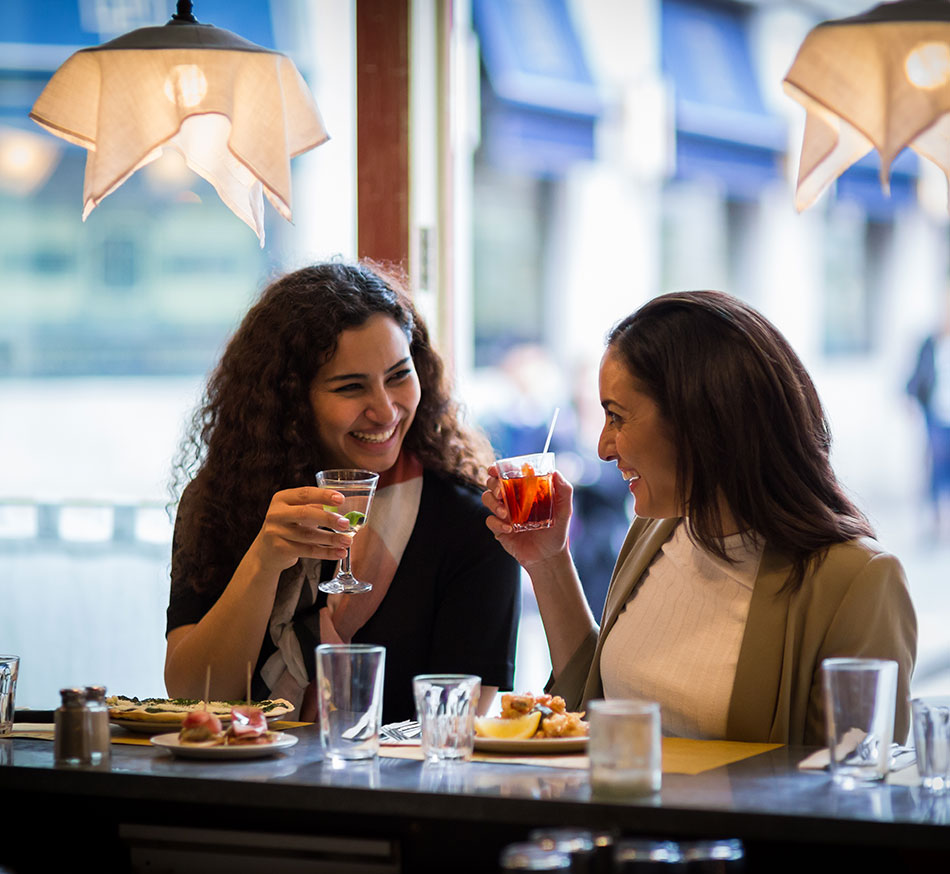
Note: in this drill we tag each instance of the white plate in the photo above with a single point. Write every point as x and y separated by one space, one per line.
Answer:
171 743
546 745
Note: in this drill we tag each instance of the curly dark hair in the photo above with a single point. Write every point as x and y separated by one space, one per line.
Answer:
746 422
255 434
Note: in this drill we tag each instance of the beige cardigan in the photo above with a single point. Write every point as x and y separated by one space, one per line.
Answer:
855 604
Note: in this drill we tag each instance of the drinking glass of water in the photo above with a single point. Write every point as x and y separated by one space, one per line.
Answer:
9 667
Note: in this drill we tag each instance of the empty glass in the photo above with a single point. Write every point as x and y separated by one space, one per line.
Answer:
9 667
446 706
350 699
860 695
932 740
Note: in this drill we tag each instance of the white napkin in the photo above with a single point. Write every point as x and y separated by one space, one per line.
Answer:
902 759
822 758
905 776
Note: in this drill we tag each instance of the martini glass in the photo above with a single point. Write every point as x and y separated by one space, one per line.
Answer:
357 488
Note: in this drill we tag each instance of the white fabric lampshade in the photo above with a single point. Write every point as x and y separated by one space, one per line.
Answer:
880 80
237 112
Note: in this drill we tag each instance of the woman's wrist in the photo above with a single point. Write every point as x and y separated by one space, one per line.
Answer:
553 565
256 568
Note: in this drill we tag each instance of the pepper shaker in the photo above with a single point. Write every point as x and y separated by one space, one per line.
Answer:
71 738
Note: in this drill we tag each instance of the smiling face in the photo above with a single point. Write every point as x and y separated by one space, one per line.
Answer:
636 437
365 397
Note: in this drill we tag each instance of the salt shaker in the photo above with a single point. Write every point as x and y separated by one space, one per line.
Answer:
71 739
97 718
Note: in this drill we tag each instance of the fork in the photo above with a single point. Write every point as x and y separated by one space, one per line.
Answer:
400 731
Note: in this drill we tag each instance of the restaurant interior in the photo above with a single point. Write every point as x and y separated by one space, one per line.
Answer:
536 170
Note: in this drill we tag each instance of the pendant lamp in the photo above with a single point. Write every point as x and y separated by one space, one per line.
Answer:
237 112
879 80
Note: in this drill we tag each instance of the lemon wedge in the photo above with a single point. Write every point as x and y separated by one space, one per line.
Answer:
510 729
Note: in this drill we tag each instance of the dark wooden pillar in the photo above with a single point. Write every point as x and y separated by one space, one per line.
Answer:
382 126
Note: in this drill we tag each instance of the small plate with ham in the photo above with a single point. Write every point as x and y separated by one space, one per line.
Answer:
273 743
247 737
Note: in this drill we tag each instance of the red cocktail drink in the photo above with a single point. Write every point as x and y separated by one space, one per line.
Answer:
527 489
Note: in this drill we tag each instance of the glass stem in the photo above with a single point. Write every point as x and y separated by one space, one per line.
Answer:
345 565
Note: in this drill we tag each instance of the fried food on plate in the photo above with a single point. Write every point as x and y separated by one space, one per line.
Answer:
532 716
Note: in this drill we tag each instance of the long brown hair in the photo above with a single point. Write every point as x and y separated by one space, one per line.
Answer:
255 433
746 422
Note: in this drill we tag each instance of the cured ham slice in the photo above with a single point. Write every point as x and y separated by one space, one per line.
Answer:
201 726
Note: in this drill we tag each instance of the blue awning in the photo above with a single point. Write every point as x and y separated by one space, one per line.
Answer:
541 103
742 170
723 128
861 183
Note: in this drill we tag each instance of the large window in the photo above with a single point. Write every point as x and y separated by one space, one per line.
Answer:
689 185
108 328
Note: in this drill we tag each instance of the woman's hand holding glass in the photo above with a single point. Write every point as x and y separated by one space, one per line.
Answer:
298 525
530 548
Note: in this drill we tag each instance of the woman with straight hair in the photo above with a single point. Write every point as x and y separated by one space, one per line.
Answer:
333 368
746 564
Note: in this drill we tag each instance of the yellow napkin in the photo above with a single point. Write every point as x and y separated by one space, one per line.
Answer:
680 755
684 756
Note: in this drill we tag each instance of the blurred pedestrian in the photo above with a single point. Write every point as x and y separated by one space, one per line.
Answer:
930 385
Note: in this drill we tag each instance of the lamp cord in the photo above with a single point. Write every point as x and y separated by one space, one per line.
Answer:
184 12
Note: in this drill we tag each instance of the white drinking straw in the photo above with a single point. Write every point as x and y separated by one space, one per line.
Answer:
547 442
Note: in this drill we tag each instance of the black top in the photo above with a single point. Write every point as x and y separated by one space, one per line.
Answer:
452 607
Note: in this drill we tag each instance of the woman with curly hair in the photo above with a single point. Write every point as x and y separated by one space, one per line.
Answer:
331 368
747 564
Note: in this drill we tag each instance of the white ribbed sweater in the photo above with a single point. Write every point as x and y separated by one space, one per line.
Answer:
678 640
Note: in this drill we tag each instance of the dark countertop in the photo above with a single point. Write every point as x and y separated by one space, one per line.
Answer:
775 809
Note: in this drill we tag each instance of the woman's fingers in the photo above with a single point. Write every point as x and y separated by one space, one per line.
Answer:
310 531
303 549
316 533
493 502
319 510
498 526
563 491
279 547
309 495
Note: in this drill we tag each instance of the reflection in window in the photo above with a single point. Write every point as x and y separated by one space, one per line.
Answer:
509 255
856 252
118 263
191 263
694 245
44 260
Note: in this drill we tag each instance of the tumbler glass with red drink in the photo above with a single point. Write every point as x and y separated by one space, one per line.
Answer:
527 489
